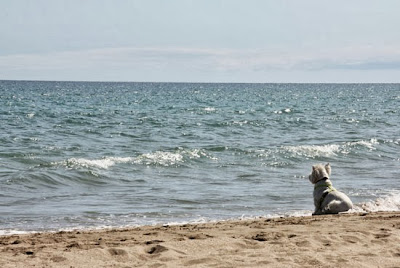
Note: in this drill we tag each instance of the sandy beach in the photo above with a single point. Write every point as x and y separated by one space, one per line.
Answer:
347 240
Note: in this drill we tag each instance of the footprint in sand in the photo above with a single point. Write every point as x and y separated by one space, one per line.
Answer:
396 254
249 244
156 250
381 238
273 236
58 259
150 242
351 239
74 244
197 262
117 252
304 243
382 235
199 236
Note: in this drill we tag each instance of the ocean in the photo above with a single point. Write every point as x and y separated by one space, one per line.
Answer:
96 154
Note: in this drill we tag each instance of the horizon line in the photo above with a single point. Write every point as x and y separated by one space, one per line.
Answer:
187 82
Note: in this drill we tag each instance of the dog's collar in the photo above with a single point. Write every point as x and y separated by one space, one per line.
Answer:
325 185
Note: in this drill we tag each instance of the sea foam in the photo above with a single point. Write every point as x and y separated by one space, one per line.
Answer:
313 150
328 150
391 202
160 158
104 163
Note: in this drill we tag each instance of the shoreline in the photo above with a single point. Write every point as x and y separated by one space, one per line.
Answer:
13 232
355 239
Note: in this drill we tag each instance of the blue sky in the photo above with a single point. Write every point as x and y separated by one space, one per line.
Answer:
200 41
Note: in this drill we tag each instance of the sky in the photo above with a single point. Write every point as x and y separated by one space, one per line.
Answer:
258 41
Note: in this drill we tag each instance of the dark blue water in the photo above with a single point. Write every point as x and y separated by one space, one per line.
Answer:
83 155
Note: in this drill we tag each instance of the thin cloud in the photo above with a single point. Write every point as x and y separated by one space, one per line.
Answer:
366 65
203 60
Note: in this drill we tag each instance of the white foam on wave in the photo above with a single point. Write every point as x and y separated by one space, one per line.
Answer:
391 202
287 111
104 163
240 123
314 150
154 158
171 158
160 158
14 232
329 150
197 153
396 142
366 143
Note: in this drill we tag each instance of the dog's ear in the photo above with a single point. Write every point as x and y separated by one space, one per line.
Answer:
328 168
313 168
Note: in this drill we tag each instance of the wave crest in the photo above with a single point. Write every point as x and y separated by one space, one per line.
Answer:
160 158
313 150
104 163
390 202
329 150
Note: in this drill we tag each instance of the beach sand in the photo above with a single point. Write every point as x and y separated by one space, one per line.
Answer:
346 240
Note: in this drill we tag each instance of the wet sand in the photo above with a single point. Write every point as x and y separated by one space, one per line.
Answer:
347 240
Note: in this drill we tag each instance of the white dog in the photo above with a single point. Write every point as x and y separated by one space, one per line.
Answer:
327 200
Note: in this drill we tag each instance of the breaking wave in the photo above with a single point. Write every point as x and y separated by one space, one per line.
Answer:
391 202
329 150
158 158
104 163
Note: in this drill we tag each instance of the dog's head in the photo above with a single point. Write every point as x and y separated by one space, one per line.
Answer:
319 172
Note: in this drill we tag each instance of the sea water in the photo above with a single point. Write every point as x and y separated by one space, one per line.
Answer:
91 155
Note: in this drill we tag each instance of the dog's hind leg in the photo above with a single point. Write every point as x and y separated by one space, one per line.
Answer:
333 207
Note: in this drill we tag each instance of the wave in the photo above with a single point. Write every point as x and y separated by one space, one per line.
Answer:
313 150
15 232
277 157
329 150
158 158
365 143
391 202
287 111
104 163
209 109
282 155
